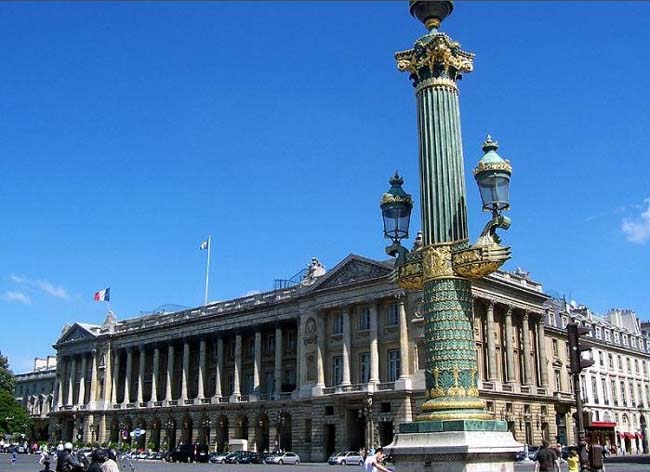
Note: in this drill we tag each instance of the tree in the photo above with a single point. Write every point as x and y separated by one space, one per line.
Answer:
13 417
7 379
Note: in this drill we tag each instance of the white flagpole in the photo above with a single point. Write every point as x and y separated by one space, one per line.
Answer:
207 270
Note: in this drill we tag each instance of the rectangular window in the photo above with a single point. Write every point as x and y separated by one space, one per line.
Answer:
251 348
611 361
364 319
392 318
629 365
308 430
248 387
231 350
607 335
555 352
623 394
612 385
594 389
269 382
620 363
337 370
270 344
558 384
337 327
291 341
231 384
393 365
364 367
290 379
605 393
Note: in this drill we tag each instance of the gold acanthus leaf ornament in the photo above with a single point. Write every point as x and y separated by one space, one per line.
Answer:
432 50
436 262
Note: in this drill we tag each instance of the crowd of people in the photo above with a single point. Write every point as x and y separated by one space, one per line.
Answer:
67 459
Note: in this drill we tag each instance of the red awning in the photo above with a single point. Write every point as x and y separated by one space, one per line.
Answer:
629 435
639 435
622 435
603 424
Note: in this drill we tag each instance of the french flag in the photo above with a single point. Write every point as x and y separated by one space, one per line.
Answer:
103 295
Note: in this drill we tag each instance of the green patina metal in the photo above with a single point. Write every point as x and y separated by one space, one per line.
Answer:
453 425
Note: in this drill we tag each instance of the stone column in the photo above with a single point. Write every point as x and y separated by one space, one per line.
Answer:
170 373
278 362
116 376
404 362
301 359
320 352
541 351
219 369
59 391
491 344
257 367
129 375
202 361
236 391
73 368
143 358
525 349
186 371
108 375
93 376
374 346
81 400
510 361
155 371
346 348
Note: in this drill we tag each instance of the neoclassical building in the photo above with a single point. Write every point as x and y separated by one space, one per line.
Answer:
334 363
35 391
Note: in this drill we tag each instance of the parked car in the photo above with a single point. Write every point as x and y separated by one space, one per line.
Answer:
232 457
283 458
186 453
336 458
251 458
217 458
346 458
532 452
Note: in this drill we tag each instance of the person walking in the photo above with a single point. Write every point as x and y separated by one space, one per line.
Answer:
14 456
97 458
373 462
546 459
573 461
45 460
110 464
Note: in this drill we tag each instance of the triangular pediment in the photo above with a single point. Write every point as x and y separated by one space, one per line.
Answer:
76 332
352 269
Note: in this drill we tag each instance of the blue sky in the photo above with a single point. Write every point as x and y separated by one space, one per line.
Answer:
128 132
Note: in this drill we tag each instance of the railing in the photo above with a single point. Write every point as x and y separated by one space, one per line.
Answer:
386 386
508 388
173 402
188 401
82 407
224 400
243 398
67 407
329 390
263 396
524 389
157 403
131 405
143 404
206 401
117 406
285 395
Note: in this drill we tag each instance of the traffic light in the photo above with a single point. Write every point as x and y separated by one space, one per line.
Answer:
576 348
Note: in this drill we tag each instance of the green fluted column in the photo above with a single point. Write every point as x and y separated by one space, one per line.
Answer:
435 64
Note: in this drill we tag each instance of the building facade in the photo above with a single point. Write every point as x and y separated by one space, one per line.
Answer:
35 391
332 364
616 388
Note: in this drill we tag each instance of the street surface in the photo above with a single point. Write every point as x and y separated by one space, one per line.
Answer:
29 463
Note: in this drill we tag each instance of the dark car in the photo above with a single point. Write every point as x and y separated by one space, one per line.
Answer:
189 453
233 457
251 458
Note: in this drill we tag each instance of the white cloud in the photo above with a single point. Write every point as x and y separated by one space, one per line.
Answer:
17 297
56 291
250 293
45 286
637 230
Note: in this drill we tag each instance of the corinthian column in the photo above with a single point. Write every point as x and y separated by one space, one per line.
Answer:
170 373
186 371
525 349
320 352
129 375
541 351
81 400
116 376
202 360
404 362
278 362
510 361
491 344
257 366
374 346
236 391
93 376
346 348
141 365
219 369
73 374
155 371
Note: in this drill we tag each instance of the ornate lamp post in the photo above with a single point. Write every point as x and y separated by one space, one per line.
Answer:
445 263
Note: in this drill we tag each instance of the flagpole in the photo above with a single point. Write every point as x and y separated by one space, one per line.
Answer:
207 270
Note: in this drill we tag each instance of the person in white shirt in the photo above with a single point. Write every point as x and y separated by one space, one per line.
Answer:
373 463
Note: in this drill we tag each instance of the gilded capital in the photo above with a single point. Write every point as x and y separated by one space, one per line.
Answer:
435 59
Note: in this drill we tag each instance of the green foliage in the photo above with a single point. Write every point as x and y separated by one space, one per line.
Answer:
7 379
13 417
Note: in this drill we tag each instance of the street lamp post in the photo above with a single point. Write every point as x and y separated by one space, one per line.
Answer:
453 420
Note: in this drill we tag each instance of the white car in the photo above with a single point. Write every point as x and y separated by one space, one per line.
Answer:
349 458
284 458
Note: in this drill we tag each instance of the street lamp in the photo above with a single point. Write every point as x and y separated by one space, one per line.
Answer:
444 264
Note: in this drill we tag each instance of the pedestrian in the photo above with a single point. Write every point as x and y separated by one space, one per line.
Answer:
45 460
546 459
110 464
97 458
573 461
14 456
373 462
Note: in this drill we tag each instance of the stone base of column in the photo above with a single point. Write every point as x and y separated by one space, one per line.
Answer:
454 446
403 383
317 390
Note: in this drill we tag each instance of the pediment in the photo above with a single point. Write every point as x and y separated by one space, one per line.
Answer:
76 333
352 269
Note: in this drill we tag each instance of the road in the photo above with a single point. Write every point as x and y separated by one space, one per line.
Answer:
29 463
